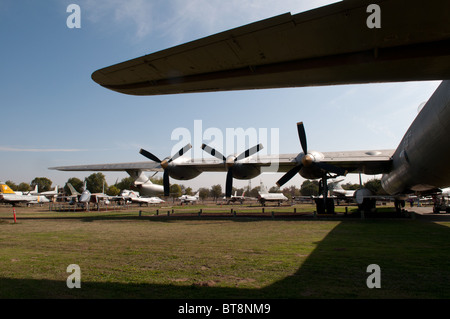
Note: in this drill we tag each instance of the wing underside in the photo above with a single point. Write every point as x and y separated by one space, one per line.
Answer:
367 162
325 46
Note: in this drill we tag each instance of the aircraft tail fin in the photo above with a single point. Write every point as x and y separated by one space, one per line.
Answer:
5 189
263 189
197 195
72 189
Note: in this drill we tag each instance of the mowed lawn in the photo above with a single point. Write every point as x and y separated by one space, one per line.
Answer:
122 255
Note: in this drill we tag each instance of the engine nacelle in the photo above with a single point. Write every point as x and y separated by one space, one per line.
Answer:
245 171
183 173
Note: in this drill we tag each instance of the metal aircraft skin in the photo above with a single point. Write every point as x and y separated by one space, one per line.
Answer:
329 45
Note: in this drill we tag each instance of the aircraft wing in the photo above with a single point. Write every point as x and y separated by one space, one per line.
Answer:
325 46
367 162
143 166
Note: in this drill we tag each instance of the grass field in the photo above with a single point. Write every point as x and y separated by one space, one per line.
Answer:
122 255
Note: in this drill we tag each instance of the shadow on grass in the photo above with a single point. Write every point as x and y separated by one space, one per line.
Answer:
413 256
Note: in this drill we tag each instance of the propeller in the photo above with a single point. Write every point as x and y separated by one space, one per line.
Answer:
165 164
307 160
230 161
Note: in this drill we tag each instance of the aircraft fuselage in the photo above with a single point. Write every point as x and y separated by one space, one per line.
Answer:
420 162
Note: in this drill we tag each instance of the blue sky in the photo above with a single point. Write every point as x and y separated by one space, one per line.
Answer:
53 114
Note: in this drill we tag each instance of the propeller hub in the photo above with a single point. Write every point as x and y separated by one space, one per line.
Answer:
307 160
230 161
164 164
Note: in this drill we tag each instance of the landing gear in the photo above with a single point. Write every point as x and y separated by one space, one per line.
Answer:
399 205
324 205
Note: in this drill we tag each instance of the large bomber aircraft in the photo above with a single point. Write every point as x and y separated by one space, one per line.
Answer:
331 45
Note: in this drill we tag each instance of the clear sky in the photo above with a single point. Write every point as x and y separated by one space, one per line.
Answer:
53 114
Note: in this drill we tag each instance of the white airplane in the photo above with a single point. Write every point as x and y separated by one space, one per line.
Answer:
50 194
300 50
264 196
136 198
7 195
189 198
237 198
83 198
335 188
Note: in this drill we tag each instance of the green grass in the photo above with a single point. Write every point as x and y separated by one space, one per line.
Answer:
122 255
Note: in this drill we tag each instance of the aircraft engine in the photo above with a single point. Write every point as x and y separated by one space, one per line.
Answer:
245 171
169 168
234 167
309 165
183 173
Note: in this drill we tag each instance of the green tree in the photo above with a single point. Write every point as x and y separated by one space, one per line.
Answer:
216 191
76 183
24 187
203 193
43 184
11 185
175 190
112 191
188 191
157 180
96 182
125 183
310 188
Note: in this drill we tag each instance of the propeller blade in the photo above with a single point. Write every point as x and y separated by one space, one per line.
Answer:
166 183
213 152
249 152
229 183
180 152
302 137
286 177
331 168
149 155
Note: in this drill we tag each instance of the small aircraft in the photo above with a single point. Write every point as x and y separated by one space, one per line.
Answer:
335 188
136 198
264 196
189 199
7 195
50 194
84 198
237 198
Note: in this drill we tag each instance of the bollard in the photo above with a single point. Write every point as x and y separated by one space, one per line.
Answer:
14 213
140 213
295 210
157 212
273 214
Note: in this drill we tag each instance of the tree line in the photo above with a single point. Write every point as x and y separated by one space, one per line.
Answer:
96 183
